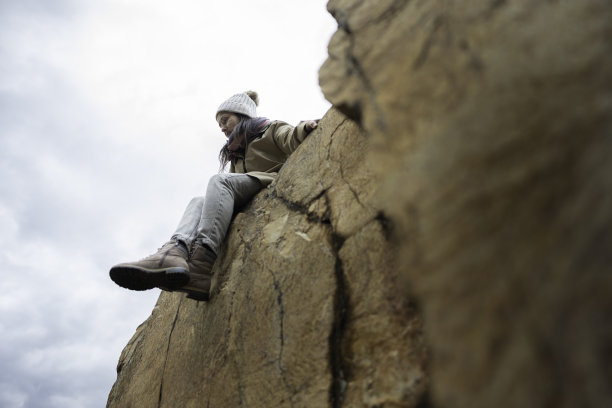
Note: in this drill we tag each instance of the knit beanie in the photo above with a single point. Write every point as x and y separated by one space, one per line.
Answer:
244 103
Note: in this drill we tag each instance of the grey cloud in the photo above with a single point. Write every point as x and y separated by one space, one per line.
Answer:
51 307
59 8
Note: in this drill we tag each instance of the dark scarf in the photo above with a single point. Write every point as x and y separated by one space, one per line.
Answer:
245 131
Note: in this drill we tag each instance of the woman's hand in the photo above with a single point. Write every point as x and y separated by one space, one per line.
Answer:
311 125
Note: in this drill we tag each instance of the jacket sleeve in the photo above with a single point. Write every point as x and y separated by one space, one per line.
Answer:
287 137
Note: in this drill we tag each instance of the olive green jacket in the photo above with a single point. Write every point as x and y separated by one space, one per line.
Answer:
265 155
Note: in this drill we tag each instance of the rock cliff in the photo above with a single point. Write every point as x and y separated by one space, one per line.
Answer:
306 310
490 123
443 239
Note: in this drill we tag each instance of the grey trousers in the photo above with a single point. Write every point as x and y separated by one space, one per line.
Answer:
206 219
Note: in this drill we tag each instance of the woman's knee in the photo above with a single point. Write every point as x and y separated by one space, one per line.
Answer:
218 181
240 184
195 201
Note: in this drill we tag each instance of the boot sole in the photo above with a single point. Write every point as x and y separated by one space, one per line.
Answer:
135 278
204 297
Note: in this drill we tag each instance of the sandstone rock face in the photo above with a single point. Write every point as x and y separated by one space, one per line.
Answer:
468 197
490 132
307 307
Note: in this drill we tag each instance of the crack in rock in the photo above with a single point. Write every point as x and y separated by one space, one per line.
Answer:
338 365
161 383
281 318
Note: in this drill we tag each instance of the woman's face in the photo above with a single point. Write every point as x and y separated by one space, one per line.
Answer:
227 122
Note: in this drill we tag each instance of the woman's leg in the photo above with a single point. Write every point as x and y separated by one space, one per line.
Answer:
189 225
206 219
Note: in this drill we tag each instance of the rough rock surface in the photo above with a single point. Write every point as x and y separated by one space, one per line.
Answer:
306 310
469 198
490 123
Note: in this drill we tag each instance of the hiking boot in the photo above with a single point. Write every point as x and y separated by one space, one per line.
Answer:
200 266
166 269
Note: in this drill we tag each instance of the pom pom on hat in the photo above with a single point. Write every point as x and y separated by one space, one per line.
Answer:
244 103
254 96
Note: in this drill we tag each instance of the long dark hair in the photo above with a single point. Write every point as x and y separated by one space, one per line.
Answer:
250 127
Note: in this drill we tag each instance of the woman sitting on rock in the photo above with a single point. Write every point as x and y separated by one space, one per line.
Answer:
256 149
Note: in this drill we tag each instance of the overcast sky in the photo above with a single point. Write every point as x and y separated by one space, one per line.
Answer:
106 131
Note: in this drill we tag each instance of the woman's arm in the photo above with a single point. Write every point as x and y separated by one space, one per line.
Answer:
288 138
